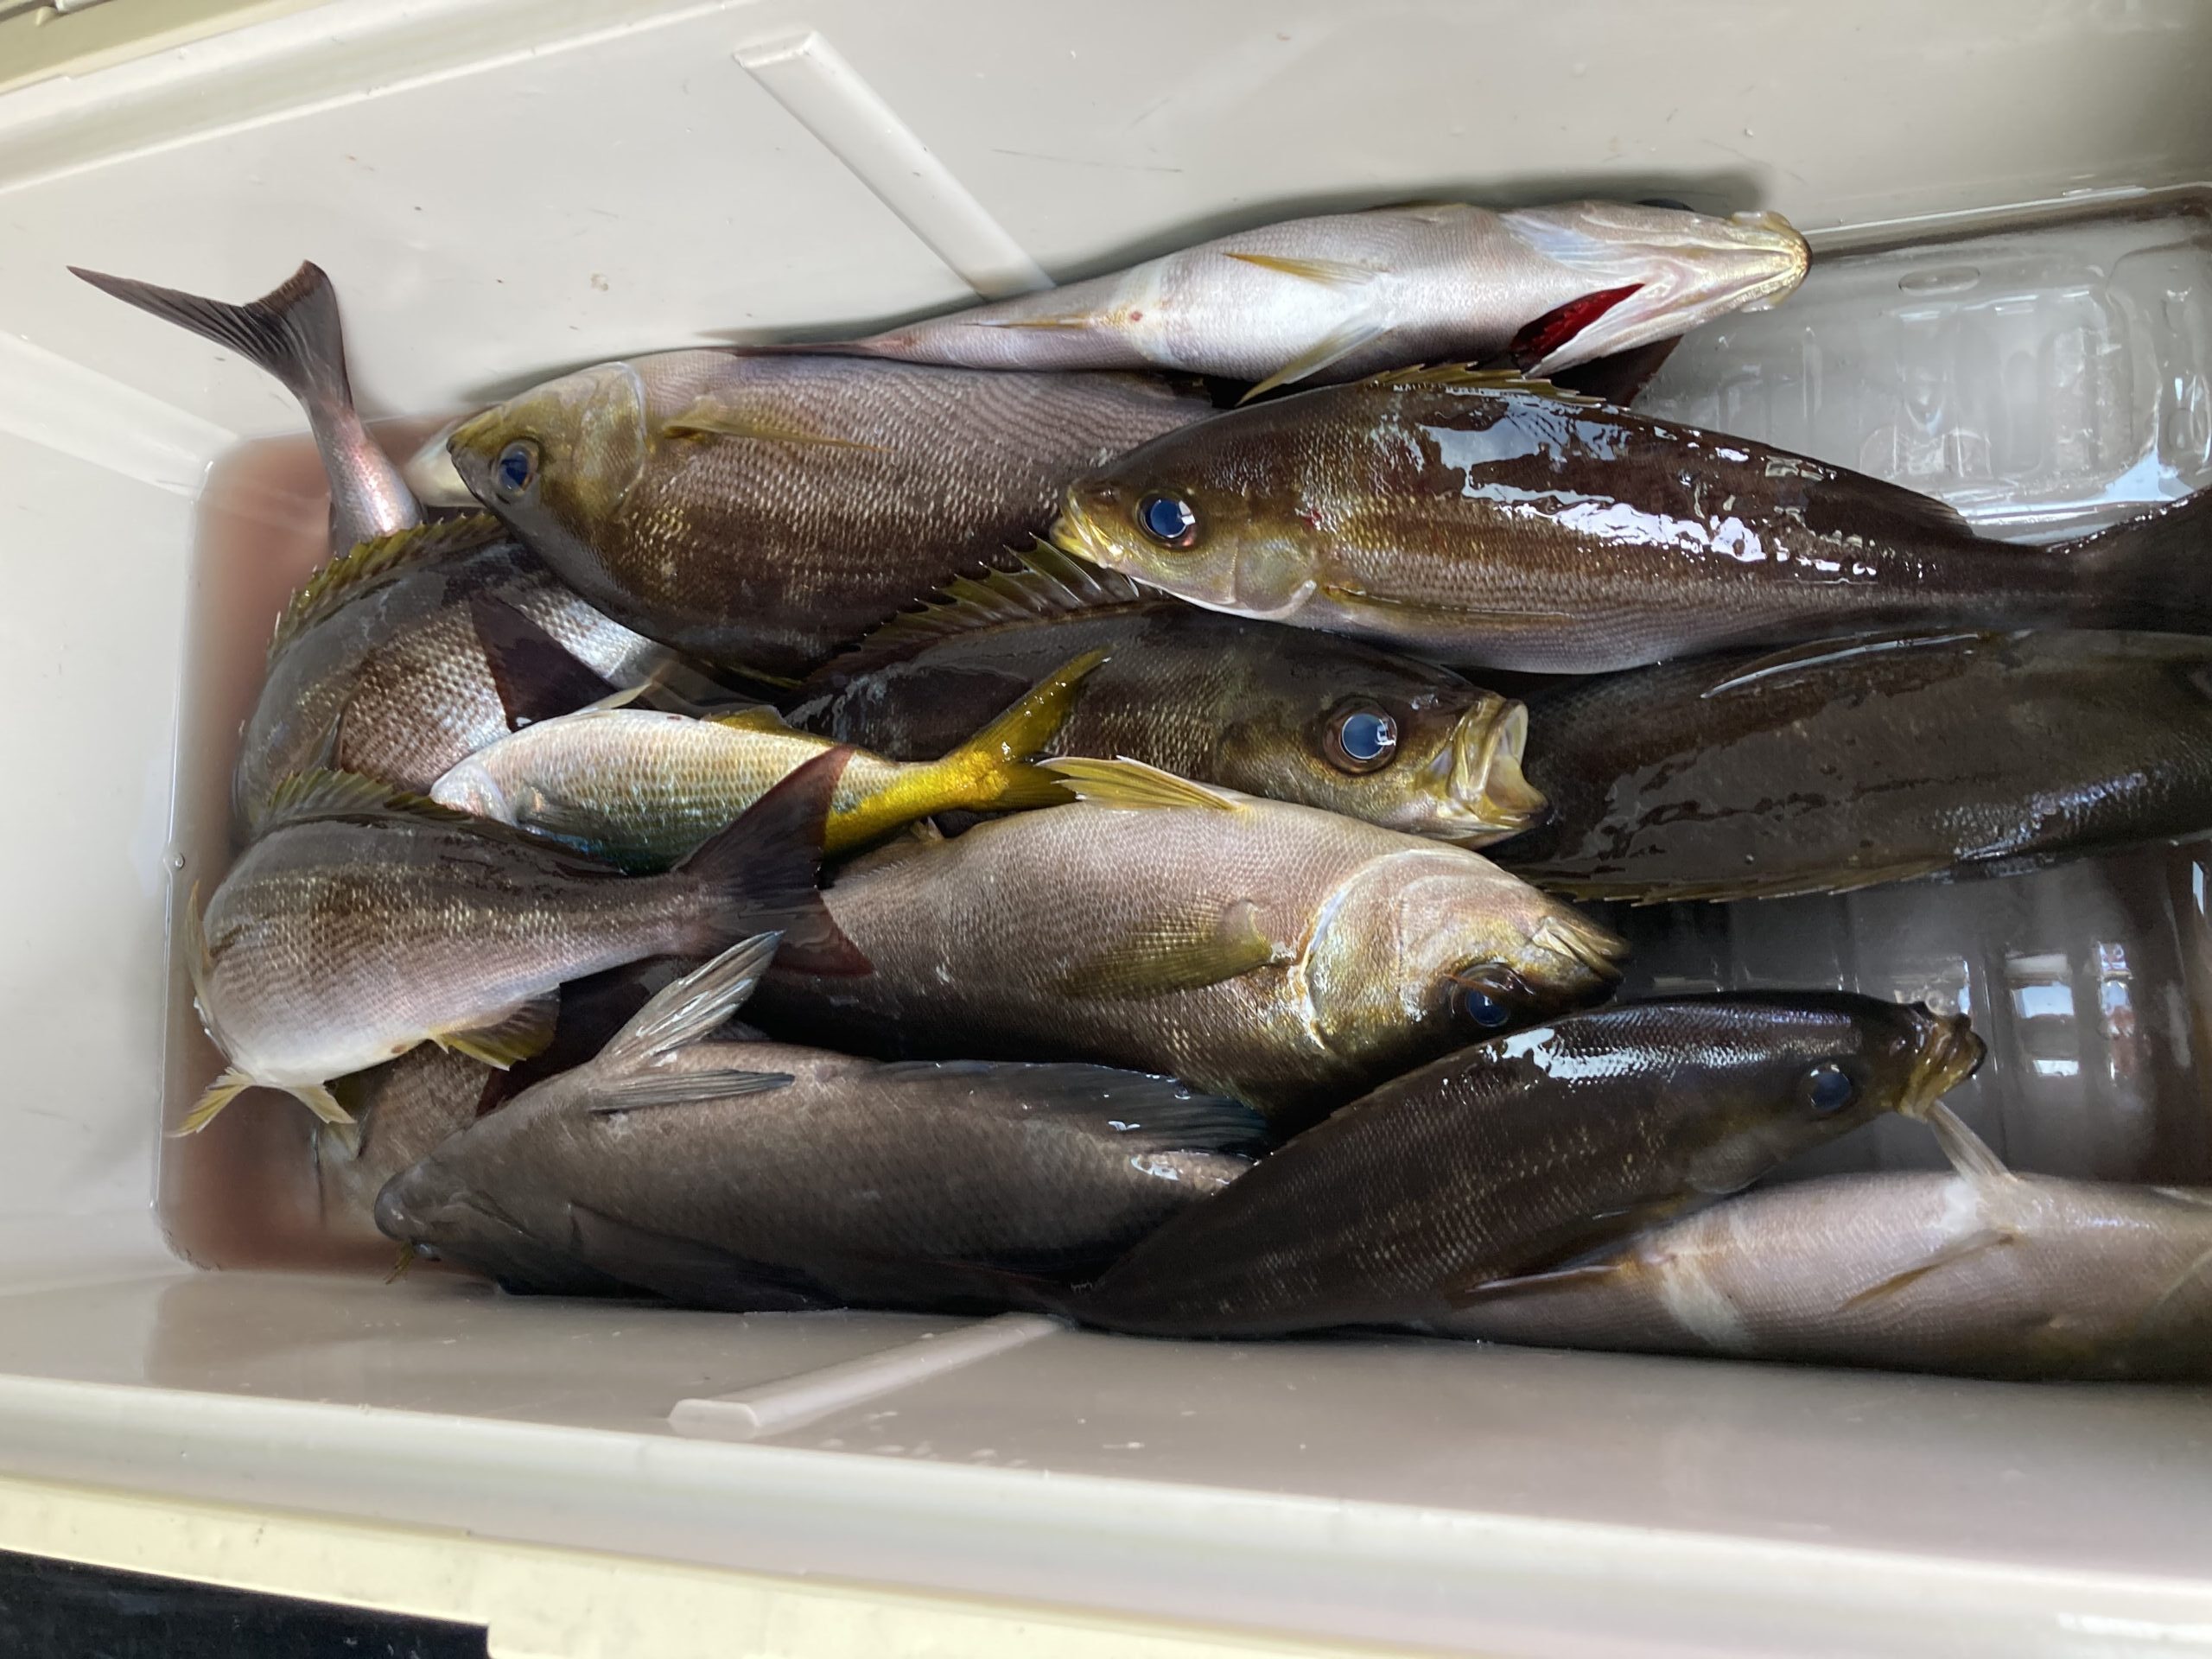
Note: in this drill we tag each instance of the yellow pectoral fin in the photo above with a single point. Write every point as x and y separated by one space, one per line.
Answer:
710 418
519 1035
1133 783
1330 273
1176 953
218 1095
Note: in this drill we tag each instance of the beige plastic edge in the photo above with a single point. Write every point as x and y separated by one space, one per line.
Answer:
549 1604
42 42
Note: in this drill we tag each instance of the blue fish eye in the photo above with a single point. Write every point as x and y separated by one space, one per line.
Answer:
1483 1009
1829 1089
1360 737
1169 519
517 466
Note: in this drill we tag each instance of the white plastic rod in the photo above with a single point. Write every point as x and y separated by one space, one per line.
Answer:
827 96
794 1402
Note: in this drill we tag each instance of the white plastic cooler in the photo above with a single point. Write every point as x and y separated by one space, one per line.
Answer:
506 188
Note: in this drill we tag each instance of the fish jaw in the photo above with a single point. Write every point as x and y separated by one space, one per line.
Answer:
1686 268
1488 798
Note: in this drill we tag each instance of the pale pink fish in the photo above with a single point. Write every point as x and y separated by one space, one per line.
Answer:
1346 295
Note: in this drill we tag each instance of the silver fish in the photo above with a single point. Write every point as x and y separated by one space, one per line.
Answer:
762 1175
1342 296
2005 1275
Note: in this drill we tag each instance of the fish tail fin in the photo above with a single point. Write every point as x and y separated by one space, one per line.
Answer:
990 770
2151 572
758 874
292 331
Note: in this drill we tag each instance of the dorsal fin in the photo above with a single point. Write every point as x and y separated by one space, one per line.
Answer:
1045 584
1464 376
365 562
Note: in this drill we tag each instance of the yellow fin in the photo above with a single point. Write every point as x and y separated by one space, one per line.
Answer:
1339 342
758 718
1463 377
1332 273
318 1099
1133 783
1070 321
1176 953
365 563
710 417
218 1095
523 1031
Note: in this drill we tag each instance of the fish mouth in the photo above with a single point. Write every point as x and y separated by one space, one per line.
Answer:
1949 1054
468 449
1687 270
1586 959
1489 799
432 474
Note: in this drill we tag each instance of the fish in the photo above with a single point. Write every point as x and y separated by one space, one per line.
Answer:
1523 1151
1344 295
1487 519
1284 957
363 923
405 1107
763 513
294 332
643 788
2024 1277
1840 765
378 667
763 1175
1249 706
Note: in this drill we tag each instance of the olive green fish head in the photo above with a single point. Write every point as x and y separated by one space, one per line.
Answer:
1398 744
1441 941
1789 1070
559 462
1654 272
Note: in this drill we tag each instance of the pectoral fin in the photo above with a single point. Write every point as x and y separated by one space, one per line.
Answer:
1178 953
521 1032
711 418
218 1095
1339 342
1964 1248
1331 273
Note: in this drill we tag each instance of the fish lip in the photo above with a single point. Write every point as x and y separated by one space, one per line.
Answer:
1488 798
471 457
1949 1053
1598 954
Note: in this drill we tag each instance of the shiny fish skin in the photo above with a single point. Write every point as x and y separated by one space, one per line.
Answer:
400 660
798 500
2021 1277
1473 519
1083 932
1869 760
1519 1153
1216 699
1376 289
760 1174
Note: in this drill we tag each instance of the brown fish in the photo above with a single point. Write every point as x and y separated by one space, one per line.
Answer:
1525 1151
1481 518
1285 957
764 511
1260 710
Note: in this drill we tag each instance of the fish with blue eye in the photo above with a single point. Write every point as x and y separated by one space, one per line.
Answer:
1829 1088
1489 997
516 468
1169 520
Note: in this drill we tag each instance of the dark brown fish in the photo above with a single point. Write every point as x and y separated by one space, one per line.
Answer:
378 666
1526 1151
1860 761
765 511
761 1175
1264 710
1471 517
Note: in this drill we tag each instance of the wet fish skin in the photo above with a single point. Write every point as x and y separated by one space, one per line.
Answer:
1866 760
764 511
1342 295
1523 1151
1288 957
764 1174
292 332
644 788
1478 519
391 679
2027 1277
1252 707
361 924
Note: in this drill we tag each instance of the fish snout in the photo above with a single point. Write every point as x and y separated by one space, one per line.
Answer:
1490 797
1949 1053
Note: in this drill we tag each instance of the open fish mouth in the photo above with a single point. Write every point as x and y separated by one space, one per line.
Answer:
1588 955
1949 1054
1489 799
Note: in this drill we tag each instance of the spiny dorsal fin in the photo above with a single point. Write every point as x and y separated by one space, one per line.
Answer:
368 562
1132 782
1046 583
1463 377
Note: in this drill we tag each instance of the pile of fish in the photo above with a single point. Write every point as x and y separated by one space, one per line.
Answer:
987 815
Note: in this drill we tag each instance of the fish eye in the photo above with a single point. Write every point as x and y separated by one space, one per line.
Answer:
1169 519
1487 997
516 468
1360 737
1828 1089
